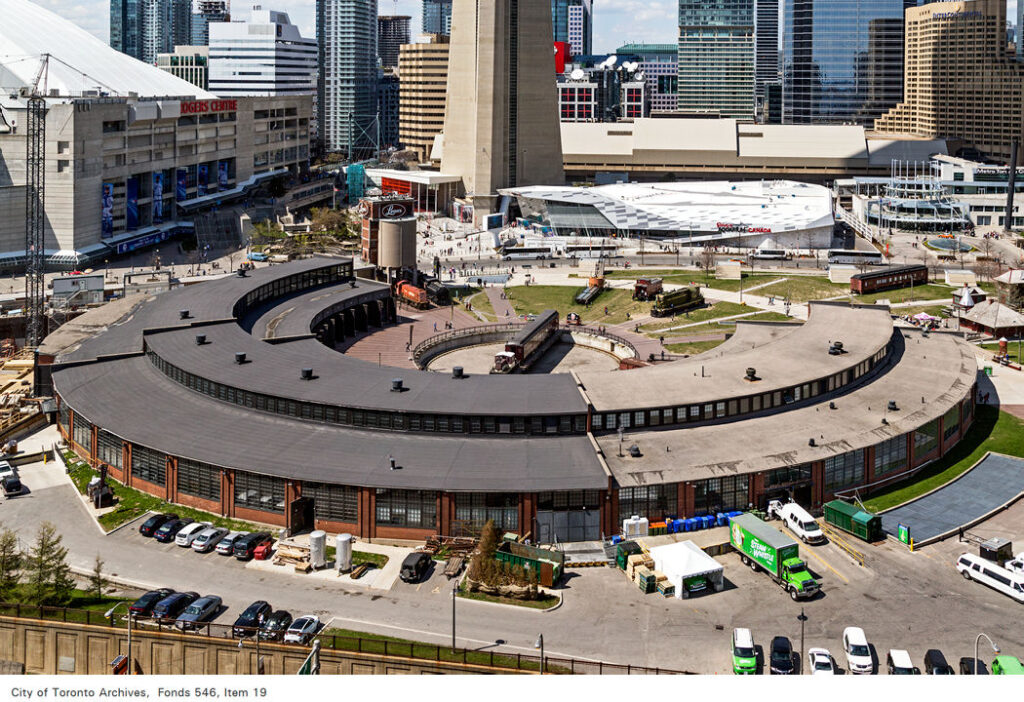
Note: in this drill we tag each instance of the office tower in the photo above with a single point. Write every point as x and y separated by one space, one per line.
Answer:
144 28
347 86
766 50
392 32
189 63
842 59
207 11
983 108
716 57
265 55
1019 30
501 120
387 108
602 93
572 22
437 17
423 79
659 68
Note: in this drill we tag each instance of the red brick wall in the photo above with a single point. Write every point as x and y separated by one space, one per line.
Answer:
404 533
256 515
199 503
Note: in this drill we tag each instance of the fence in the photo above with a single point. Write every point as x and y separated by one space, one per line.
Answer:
430 342
341 642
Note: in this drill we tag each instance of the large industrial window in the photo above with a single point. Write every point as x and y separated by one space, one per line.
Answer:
787 475
926 438
567 501
652 501
260 492
338 503
951 421
721 494
64 415
407 508
472 510
891 456
83 432
198 479
109 449
844 470
149 465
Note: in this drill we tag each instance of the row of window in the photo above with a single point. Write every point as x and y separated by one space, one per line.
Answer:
891 456
610 421
473 510
407 508
372 419
652 501
293 284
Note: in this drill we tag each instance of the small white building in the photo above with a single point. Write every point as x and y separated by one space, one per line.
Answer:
684 560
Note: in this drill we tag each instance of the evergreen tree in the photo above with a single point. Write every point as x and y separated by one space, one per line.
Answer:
49 581
97 583
10 564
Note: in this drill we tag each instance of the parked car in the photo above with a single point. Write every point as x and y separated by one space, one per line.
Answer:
302 630
275 625
935 663
226 546
251 619
186 536
780 659
12 485
143 606
414 567
819 662
7 469
744 656
967 666
207 539
168 531
202 610
1008 582
244 548
1007 665
173 605
797 520
898 662
150 526
858 653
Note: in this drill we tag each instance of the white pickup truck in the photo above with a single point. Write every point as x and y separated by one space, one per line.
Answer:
797 520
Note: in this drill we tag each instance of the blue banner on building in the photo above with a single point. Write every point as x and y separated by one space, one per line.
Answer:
202 176
107 211
158 197
181 191
222 175
131 203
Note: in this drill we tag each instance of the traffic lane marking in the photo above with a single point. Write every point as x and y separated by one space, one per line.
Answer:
826 564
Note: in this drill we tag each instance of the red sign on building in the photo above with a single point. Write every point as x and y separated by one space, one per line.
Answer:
562 56
197 107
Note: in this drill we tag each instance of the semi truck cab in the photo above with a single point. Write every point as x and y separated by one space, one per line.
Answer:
795 573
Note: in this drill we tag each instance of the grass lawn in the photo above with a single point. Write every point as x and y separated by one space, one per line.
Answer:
719 309
482 304
377 559
804 288
727 327
1011 350
918 292
132 503
692 348
533 299
542 602
992 431
933 310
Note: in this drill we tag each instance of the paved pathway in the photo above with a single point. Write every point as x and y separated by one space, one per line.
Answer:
388 345
503 309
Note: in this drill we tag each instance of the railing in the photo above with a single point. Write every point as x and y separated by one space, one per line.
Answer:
842 543
354 644
428 343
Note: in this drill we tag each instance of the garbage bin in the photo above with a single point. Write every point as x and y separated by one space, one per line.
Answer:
988 371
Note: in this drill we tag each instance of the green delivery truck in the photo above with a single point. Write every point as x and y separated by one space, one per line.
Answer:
763 547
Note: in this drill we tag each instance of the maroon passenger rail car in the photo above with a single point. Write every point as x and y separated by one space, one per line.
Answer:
888 279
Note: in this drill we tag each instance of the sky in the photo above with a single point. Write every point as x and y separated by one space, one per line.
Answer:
616 22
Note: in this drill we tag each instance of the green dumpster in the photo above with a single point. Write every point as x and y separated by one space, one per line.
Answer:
852 519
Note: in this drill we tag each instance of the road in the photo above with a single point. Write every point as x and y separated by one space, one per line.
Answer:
902 600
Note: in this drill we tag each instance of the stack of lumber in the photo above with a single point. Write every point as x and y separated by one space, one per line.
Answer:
638 560
645 579
295 554
454 566
452 545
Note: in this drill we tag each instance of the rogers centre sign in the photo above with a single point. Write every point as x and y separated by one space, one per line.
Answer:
743 228
196 107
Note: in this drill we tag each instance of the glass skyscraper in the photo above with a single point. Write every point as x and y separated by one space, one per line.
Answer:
842 60
144 28
572 22
716 57
346 32
437 16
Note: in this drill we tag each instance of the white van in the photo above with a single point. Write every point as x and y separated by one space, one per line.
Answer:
1005 581
186 536
798 520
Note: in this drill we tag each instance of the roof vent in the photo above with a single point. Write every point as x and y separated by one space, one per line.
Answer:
457 372
396 385
751 375
391 461
831 405
836 348
307 373
892 406
183 314
811 442
634 451
241 272
352 283
200 339
240 357
885 421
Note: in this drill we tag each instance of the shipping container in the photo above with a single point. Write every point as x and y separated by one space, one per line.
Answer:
854 520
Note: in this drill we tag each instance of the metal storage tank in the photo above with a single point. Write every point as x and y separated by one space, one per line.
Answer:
396 242
318 548
343 552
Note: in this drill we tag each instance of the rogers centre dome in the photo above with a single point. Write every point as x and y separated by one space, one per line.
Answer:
199 395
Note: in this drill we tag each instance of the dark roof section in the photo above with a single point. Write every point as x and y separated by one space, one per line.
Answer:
130 397
295 315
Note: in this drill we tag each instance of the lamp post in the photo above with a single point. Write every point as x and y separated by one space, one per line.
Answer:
977 641
109 614
803 618
259 660
539 643
454 589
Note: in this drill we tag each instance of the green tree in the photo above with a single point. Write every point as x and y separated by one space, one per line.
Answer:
49 581
10 564
483 567
98 583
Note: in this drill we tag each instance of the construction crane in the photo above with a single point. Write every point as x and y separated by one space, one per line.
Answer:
35 193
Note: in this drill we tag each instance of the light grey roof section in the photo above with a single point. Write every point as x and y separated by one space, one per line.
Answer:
130 397
293 316
931 374
764 531
992 483
794 357
994 315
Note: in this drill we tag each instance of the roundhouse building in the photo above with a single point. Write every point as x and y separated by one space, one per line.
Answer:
226 396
